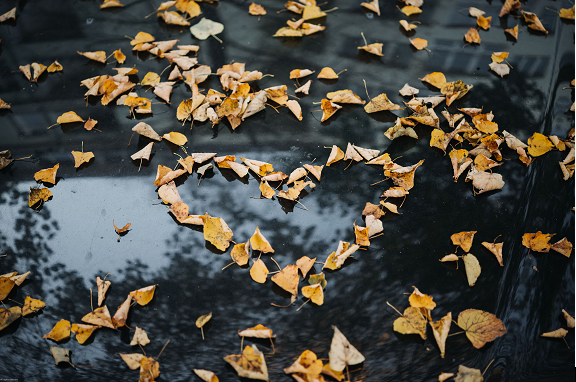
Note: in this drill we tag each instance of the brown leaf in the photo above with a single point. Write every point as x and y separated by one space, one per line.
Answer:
8 316
509 6
533 21
538 241
250 364
472 36
481 327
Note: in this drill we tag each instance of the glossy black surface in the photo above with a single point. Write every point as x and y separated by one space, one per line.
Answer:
71 240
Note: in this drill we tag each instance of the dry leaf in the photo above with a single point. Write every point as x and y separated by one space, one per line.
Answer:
566 13
99 56
121 315
496 249
31 305
60 331
407 26
38 194
485 181
83 332
69 117
81 157
473 268
412 322
173 18
440 329
404 176
410 10
149 369
328 109
513 31
147 131
250 364
420 300
315 293
558 333
206 375
327 73
258 331
305 264
374 6
308 364
304 88
444 376
509 6
345 96
380 103
451 257
537 241
111 4
569 319
4 105
312 12
102 287
60 355
480 326
11 14
408 90
375 48
484 22
55 67
295 108
256 10
299 73
8 316
563 246
100 317
419 43
176 138
435 79
144 153
463 239
500 69
288 279
259 272
206 28
143 295
539 144
216 232
472 36
467 374
119 231
533 21
203 320
47 175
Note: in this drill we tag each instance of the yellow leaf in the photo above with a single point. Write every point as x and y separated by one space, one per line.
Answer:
32 305
335 155
569 319
288 279
144 295
380 103
305 264
558 333
539 144
328 74
375 48
241 253
563 246
412 322
132 360
69 117
149 369
315 293
258 331
249 364
473 268
259 272
435 79
203 320
419 43
312 12
38 194
404 176
8 316
481 327
55 67
100 317
307 363
484 22
259 242
420 300
83 331
216 232
440 329
256 10
512 32
60 331
537 241
410 10
103 285
82 157
48 175
206 375
472 36
496 249
176 138
463 239
99 56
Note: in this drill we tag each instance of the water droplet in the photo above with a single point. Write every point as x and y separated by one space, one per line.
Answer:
89 20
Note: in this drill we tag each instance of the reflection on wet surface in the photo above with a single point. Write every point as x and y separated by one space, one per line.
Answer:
71 240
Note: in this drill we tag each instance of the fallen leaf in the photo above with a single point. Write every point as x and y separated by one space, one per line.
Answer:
83 332
410 10
299 73
419 43
335 155
513 31
288 32
440 329
60 355
345 96
472 36
4 105
256 10
305 264
380 103
467 374
373 5
250 364
435 79
144 153
111 4
8 316
412 322
165 174
404 176
328 109
103 286
295 108
132 360
563 246
259 272
69 117
537 241
206 375
82 157
120 230
38 194
567 13
483 22
485 181
176 138
451 257
558 333
569 319
31 305
304 88
420 300
99 56
206 28
539 144
444 376
481 327
55 67
327 73
500 69
312 12
463 239
149 369
146 130
472 267
533 21
407 26
143 295
173 18
47 175
509 6
496 249
314 292
100 317
11 14
121 315
60 331
374 48
287 279
258 331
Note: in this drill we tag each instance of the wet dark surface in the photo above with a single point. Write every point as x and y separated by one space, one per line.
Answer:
71 240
